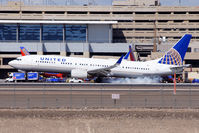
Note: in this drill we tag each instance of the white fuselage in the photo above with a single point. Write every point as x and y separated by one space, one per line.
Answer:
50 63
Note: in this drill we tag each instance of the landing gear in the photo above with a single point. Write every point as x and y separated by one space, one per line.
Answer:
98 80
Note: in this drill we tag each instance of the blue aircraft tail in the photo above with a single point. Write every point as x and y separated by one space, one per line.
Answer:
24 51
130 53
176 54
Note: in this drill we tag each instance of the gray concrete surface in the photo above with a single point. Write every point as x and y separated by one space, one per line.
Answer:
25 95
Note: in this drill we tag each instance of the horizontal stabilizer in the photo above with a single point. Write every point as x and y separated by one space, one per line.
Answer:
179 69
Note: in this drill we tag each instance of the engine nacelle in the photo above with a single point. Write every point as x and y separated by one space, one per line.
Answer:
79 73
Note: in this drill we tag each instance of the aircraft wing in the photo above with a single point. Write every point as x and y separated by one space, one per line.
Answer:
179 69
106 70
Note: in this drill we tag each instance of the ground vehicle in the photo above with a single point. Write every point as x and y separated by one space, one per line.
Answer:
75 80
32 76
16 76
54 79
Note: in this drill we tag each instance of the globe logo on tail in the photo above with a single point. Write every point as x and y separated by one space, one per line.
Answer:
171 58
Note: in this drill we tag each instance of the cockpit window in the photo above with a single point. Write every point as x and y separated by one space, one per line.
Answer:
18 59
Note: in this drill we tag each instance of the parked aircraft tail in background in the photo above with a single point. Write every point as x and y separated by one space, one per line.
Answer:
24 51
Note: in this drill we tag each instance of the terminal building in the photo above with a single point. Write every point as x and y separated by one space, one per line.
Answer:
93 30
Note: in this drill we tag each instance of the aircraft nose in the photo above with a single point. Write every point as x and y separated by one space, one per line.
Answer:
10 63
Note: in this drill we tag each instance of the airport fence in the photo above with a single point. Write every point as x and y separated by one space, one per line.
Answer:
82 96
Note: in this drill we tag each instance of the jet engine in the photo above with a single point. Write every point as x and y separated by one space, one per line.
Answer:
79 73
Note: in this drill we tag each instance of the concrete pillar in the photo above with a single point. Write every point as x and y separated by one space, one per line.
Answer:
64 33
86 54
41 30
17 33
87 33
63 49
86 50
40 48
20 13
110 33
133 15
135 55
111 15
186 22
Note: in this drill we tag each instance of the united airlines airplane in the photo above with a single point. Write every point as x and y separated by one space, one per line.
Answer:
171 62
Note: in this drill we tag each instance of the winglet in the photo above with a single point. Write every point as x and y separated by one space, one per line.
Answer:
127 55
120 60
24 51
